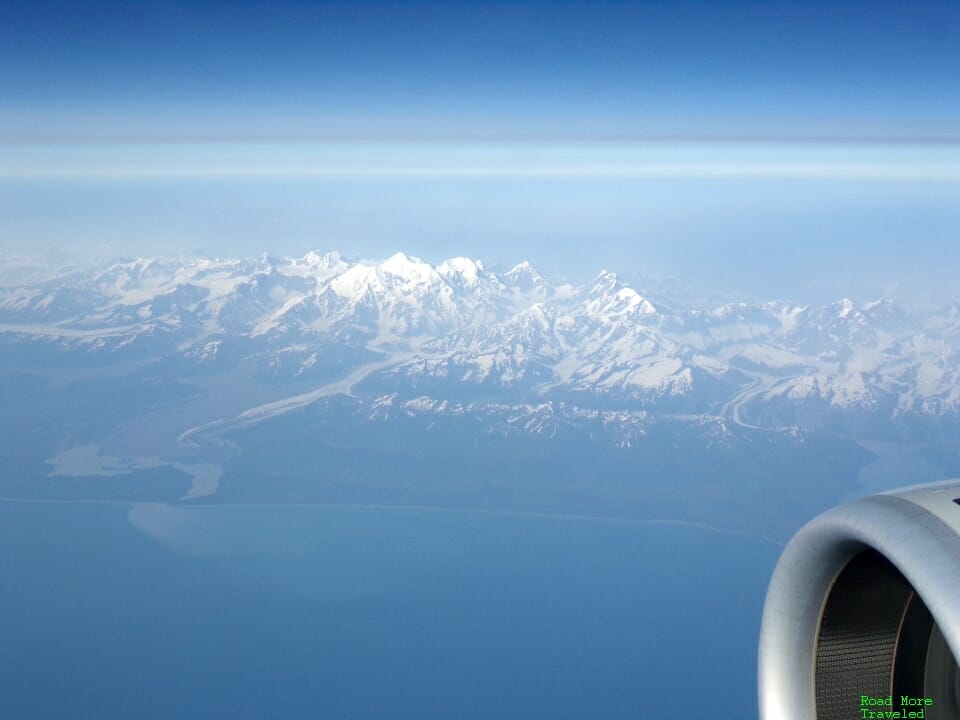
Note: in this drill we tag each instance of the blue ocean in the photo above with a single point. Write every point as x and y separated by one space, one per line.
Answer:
154 611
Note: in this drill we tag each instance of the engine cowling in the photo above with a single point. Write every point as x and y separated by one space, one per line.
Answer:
862 614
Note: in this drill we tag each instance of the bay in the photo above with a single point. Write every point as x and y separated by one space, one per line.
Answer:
160 611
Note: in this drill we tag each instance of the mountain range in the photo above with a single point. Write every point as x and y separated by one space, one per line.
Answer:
467 331
165 362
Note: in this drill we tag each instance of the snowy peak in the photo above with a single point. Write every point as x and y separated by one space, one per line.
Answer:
609 296
398 273
605 283
524 277
462 272
409 268
844 324
357 282
313 264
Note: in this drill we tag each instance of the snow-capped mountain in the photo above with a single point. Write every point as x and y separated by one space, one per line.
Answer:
459 330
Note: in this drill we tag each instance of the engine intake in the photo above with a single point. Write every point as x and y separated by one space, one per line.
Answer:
862 616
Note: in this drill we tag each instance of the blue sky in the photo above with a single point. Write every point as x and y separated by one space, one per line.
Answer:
279 69
708 139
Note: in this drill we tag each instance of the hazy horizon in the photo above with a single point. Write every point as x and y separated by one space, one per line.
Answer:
806 151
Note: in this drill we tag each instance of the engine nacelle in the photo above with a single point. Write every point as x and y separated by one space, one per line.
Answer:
863 612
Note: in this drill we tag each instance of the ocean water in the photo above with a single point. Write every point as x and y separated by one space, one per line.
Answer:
152 611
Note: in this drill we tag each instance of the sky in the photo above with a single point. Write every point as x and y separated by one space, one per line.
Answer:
796 148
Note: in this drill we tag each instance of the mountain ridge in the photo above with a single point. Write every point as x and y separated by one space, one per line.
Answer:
459 325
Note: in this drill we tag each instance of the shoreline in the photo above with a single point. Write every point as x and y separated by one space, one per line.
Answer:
414 508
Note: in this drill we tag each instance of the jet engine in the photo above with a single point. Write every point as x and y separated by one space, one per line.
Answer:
862 615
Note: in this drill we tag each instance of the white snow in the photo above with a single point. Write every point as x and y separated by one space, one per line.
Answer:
466 270
459 320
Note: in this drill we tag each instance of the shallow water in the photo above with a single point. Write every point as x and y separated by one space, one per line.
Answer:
153 611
